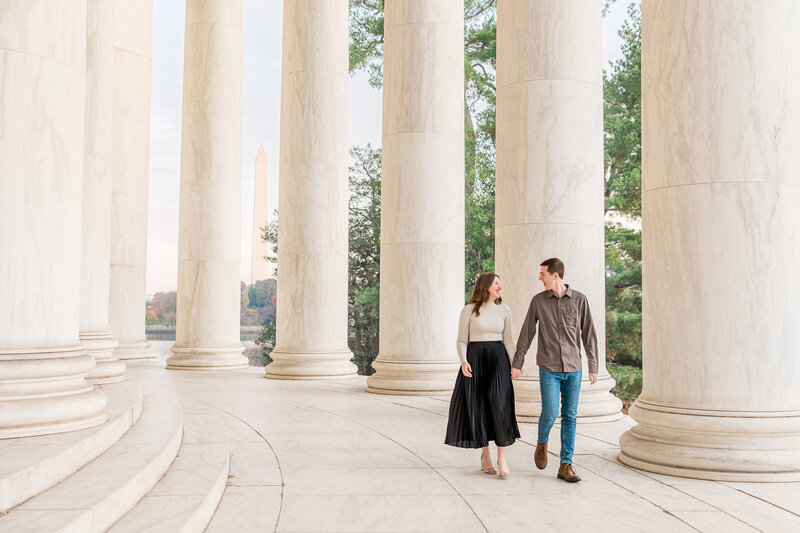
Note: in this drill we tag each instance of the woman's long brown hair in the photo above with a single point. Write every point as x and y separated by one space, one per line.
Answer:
480 291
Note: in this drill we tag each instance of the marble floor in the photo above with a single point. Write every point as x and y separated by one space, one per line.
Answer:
327 456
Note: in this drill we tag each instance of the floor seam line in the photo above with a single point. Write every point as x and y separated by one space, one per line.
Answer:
643 498
478 518
277 460
761 499
646 474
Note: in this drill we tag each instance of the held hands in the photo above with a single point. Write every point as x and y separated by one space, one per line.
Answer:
466 369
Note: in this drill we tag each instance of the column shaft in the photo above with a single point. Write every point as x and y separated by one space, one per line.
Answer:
95 334
422 197
130 171
721 242
209 243
42 364
313 195
549 184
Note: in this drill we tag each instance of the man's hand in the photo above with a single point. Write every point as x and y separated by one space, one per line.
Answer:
515 373
466 369
592 379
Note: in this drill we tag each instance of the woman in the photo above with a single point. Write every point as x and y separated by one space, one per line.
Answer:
482 406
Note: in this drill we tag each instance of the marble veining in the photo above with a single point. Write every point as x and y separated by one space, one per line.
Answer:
422 219
42 116
549 185
721 241
130 170
209 239
311 320
96 208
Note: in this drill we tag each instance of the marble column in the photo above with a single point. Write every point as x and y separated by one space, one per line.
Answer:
209 240
721 242
95 334
422 197
130 172
549 184
42 363
311 317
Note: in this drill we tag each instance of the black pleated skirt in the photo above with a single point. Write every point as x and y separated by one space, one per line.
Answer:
482 407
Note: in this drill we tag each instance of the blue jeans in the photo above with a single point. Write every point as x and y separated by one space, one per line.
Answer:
568 386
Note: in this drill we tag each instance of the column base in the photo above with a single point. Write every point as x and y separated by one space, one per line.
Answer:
44 391
227 357
713 445
101 345
333 364
135 349
413 378
596 403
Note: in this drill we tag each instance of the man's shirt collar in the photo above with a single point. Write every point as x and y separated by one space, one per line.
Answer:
568 293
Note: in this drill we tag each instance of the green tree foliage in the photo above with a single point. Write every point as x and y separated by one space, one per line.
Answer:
366 39
366 54
266 290
629 383
480 96
622 156
364 256
364 264
266 339
623 295
623 203
623 124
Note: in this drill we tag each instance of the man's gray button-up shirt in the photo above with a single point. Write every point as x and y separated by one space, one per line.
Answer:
563 323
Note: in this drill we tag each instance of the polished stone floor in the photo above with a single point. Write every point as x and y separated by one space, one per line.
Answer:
327 456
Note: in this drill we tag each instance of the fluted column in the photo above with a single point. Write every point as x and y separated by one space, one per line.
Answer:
721 242
95 334
130 172
311 317
549 184
209 243
422 197
42 364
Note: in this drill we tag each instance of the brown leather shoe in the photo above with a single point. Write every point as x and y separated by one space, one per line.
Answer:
567 473
540 455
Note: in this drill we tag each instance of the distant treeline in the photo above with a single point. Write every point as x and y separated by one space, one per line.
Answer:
257 305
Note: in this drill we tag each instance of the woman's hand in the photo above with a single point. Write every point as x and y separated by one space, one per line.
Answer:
466 369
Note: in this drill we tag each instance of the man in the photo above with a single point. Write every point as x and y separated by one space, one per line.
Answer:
564 321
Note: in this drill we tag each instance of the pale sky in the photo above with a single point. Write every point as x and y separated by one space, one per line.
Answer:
262 80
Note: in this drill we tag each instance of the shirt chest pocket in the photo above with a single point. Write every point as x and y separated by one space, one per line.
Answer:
570 316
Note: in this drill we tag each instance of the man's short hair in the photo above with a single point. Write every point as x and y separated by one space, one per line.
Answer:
554 266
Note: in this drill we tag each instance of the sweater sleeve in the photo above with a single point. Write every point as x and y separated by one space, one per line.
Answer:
508 337
463 333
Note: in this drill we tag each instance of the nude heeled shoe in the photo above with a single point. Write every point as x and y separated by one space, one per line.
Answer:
487 469
503 473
